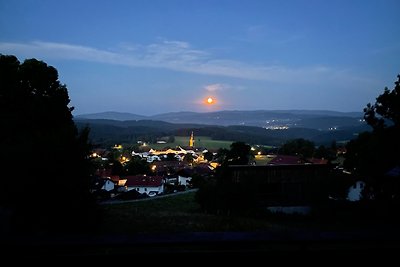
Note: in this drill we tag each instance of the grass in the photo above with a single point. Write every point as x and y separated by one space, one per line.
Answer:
200 141
181 214
172 214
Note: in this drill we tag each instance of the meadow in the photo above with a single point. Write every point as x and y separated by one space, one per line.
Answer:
172 214
200 141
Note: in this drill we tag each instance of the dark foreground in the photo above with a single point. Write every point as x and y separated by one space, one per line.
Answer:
283 246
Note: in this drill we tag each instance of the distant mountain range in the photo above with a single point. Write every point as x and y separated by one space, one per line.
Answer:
256 127
315 119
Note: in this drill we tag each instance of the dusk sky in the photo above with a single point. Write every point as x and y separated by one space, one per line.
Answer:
149 57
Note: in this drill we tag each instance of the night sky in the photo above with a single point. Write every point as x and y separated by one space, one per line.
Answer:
150 57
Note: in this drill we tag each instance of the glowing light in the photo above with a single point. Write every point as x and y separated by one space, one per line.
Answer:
210 101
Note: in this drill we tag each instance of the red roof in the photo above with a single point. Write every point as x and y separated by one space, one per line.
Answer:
115 178
143 181
103 173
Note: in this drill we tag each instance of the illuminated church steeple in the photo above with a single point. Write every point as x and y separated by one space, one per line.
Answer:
191 140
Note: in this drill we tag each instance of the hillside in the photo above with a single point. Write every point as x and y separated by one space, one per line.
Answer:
108 132
111 115
316 119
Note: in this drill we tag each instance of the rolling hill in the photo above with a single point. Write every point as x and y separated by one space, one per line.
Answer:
256 127
316 119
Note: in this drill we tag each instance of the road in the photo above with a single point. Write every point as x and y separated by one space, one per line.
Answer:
110 202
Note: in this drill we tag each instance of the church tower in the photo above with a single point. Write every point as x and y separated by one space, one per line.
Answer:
191 140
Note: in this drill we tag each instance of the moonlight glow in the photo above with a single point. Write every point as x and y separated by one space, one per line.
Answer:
210 103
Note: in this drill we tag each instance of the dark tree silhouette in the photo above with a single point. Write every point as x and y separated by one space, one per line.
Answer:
137 165
188 158
298 147
239 154
373 154
171 157
208 156
46 187
385 110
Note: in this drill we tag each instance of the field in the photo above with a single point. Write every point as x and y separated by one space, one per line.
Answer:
181 214
262 160
200 141
173 214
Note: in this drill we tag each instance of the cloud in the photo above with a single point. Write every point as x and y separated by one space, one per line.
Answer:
177 56
215 87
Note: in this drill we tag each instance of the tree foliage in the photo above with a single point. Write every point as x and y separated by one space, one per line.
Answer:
208 156
298 147
239 154
137 165
372 154
385 113
48 179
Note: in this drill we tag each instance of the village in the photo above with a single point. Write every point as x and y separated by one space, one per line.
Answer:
286 180
165 171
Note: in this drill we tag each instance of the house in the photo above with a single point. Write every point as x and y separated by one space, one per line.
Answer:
178 180
355 191
184 180
101 183
150 185
107 185
115 179
151 158
167 167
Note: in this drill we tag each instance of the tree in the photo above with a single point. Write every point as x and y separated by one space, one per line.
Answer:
171 157
116 167
372 154
239 154
324 152
385 113
171 139
137 165
188 158
298 147
50 190
222 153
208 156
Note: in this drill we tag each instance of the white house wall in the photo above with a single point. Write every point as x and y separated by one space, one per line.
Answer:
146 190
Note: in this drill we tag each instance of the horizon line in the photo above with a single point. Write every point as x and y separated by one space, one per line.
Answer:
224 110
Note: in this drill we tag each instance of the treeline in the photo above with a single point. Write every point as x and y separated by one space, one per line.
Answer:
109 132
